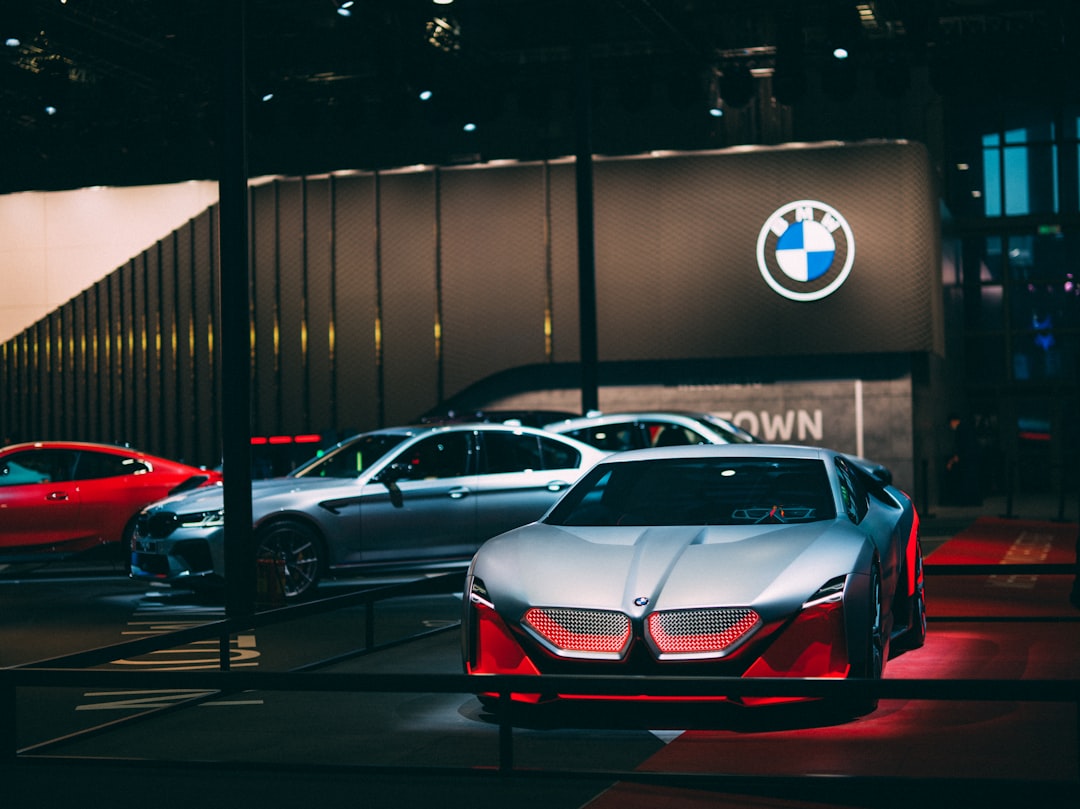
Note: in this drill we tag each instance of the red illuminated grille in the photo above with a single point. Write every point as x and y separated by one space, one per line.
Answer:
571 630
700 631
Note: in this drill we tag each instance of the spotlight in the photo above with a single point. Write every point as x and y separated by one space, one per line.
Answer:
444 33
344 8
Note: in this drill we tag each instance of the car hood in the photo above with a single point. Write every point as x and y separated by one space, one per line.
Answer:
211 498
640 569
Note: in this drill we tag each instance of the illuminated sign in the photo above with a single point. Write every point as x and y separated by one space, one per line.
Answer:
805 250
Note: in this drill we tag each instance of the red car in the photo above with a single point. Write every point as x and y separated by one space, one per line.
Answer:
65 497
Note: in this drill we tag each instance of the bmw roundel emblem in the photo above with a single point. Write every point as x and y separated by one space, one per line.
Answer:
805 250
641 601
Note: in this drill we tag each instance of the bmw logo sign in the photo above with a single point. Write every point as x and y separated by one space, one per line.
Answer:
805 250
641 601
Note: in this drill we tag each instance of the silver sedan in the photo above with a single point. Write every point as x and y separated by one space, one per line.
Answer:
407 497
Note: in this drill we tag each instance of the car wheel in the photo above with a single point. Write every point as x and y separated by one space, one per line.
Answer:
872 665
915 635
299 548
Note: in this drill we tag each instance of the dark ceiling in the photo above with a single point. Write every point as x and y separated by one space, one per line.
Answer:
135 85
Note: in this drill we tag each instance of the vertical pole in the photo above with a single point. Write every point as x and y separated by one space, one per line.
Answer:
8 736
506 733
236 321
585 221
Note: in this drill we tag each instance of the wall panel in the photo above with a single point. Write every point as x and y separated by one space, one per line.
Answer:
170 365
206 441
266 387
493 271
292 302
408 282
356 377
186 383
317 384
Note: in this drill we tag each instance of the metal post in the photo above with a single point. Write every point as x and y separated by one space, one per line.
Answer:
506 733
590 398
9 743
236 322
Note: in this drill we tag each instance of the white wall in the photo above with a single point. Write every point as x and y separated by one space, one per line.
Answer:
53 245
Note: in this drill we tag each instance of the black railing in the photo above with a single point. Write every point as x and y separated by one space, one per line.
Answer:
76 671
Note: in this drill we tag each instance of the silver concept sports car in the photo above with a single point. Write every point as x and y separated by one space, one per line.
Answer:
398 498
739 560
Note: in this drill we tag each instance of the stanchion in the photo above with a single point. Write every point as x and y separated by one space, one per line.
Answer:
270 582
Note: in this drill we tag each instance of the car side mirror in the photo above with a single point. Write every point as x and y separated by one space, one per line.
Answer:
389 478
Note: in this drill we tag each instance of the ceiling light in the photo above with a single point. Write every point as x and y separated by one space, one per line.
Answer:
444 33
13 42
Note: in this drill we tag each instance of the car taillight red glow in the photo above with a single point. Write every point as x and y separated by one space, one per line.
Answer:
700 631
583 631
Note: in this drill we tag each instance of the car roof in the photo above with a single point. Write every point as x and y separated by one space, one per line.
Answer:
759 451
74 445
416 430
600 416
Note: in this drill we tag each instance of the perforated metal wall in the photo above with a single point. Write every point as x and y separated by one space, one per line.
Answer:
377 296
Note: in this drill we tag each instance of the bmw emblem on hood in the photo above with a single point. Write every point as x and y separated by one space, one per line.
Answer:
641 601
805 250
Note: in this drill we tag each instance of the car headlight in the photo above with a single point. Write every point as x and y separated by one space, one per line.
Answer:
202 519
830 592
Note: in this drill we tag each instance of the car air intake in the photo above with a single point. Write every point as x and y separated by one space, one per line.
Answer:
700 632
580 633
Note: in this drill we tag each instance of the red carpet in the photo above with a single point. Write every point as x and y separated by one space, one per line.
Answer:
991 540
1032 632
1000 541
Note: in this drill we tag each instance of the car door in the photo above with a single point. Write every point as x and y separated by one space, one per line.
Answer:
114 488
39 501
422 506
521 476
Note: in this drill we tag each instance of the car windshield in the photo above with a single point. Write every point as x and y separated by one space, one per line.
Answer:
732 432
350 458
701 491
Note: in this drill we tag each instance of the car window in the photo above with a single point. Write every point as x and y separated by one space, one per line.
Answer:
711 491
350 458
852 492
614 437
444 455
510 452
558 455
664 434
91 465
37 466
732 433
